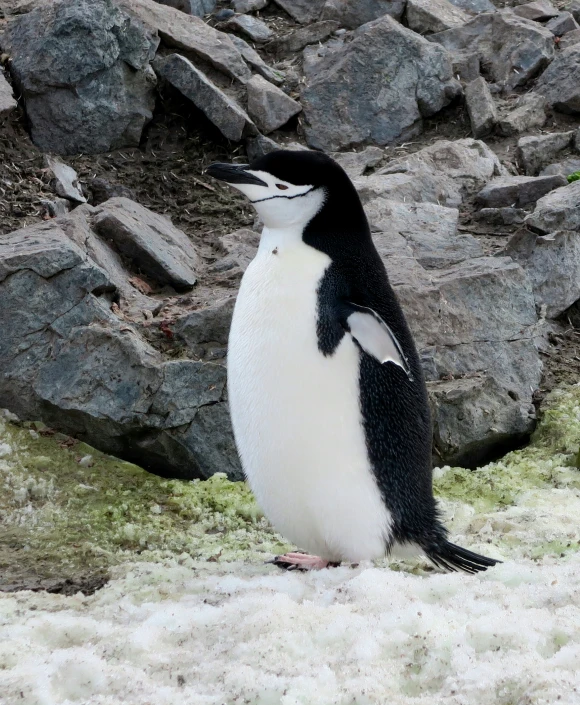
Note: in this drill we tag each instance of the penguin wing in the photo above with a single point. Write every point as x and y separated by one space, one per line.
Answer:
375 337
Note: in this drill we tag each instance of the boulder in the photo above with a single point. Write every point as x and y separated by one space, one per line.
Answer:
538 11
518 191
310 34
191 34
254 60
253 27
529 112
268 105
219 108
302 11
501 216
425 16
7 101
560 82
354 13
569 39
356 163
84 91
552 262
513 49
480 107
348 101
199 8
561 24
249 5
535 151
465 65
565 167
559 210
72 359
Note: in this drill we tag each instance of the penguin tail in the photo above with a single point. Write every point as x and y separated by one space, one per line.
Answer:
448 556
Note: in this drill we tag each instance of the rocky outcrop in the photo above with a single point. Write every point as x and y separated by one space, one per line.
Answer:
345 104
72 358
84 91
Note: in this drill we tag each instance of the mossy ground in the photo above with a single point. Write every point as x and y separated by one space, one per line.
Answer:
69 512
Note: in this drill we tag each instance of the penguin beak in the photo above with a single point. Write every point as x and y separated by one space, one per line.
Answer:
234 174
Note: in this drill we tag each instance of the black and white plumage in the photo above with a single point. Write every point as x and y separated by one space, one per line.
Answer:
327 396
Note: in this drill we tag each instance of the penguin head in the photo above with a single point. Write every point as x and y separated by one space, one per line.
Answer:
289 189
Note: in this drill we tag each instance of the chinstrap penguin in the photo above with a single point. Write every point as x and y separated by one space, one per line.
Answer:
327 397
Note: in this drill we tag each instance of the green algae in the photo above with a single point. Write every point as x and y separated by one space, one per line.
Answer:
66 509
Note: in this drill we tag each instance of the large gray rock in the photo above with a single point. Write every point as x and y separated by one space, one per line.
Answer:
254 60
268 105
65 180
481 107
199 8
84 91
562 24
310 34
538 11
518 190
553 264
560 82
529 112
353 13
475 6
559 210
535 151
68 359
566 167
513 49
219 108
425 16
253 27
569 39
7 102
249 5
191 34
349 100
356 163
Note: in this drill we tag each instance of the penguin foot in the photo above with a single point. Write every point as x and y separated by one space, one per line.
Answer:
301 561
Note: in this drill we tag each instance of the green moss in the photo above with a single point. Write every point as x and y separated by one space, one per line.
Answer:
573 177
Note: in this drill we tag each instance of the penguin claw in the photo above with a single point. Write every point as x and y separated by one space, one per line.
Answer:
301 561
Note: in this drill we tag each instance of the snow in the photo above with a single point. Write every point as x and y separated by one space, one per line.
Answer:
208 634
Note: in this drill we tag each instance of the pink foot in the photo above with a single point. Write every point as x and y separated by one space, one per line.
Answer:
301 561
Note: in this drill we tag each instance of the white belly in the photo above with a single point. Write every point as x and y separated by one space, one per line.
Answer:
296 413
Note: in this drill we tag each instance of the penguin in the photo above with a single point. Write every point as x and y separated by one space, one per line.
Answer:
327 396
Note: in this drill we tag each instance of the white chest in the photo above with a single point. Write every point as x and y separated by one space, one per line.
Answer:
296 413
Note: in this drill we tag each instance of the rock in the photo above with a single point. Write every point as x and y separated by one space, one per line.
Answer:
199 8
252 27
429 230
66 182
344 105
226 115
518 190
474 418
425 16
501 216
260 145
356 163
464 166
207 325
533 152
239 250
269 106
192 34
559 210
310 34
465 66
480 107
475 6
242 6
574 8
354 13
560 82
68 360
54 208
569 39
561 24
537 11
7 102
529 112
84 91
513 49
254 60
553 264
101 190
302 11
566 167
223 15
156 247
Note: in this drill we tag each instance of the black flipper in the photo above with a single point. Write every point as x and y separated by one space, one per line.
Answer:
450 557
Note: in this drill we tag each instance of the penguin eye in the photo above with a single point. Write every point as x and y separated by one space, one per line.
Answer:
282 187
